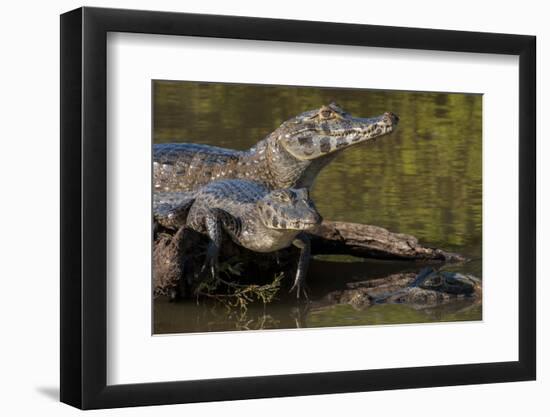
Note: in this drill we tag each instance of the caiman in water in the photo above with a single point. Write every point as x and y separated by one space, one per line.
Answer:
429 287
290 157
253 216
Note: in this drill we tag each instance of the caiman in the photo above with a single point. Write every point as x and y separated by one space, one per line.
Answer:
253 216
427 288
290 157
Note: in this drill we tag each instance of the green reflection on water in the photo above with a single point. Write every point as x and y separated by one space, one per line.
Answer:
346 315
424 179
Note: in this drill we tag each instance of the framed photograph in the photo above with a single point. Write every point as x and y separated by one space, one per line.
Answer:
259 208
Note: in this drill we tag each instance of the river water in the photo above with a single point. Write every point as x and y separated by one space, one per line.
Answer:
425 179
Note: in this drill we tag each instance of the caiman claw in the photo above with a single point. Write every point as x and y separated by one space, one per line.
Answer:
301 242
211 262
297 286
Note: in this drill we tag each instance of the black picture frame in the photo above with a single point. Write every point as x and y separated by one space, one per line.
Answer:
84 207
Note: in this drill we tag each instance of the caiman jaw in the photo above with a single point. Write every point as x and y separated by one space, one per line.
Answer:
288 209
330 129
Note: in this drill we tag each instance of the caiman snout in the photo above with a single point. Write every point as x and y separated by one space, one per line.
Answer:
392 116
313 219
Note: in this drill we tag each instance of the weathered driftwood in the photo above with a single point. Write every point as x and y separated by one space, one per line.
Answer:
373 242
171 266
177 257
178 260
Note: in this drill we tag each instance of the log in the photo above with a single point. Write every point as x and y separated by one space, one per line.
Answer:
178 256
178 259
172 262
374 242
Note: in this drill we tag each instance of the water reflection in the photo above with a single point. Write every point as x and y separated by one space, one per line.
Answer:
186 317
424 180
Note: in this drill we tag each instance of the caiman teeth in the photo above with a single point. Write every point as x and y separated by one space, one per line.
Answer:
355 133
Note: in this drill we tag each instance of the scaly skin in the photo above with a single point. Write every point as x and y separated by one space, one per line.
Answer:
253 216
429 287
290 157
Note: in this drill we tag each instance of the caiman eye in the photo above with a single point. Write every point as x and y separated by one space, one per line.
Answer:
325 114
436 281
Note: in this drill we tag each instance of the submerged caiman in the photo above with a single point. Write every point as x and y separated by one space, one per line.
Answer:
427 288
290 157
253 216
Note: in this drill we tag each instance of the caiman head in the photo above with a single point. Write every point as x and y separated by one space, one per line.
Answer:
288 209
449 282
321 132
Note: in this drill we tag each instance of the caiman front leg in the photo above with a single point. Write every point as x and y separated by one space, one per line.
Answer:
216 220
302 242
214 232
